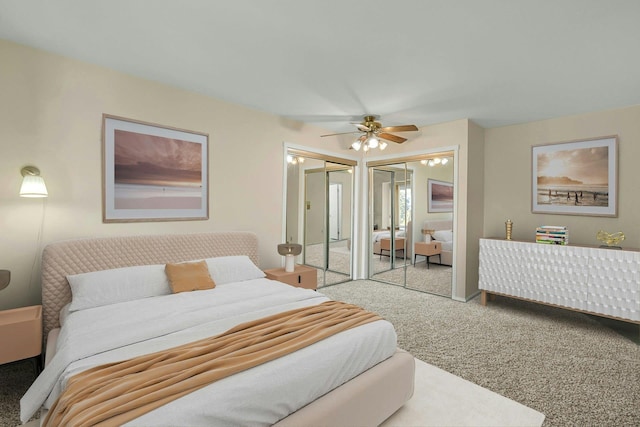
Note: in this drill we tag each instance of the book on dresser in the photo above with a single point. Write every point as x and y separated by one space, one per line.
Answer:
552 235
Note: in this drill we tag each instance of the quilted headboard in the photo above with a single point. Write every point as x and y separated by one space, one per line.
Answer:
63 258
446 224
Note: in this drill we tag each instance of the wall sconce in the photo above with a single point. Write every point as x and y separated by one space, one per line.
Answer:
289 251
32 183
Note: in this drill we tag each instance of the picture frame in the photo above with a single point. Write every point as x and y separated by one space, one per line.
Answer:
153 172
439 196
576 177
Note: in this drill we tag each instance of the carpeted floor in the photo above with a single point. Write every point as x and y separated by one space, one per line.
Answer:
436 279
576 370
564 364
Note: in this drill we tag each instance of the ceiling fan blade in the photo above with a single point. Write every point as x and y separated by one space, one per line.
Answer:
334 134
391 137
362 127
403 128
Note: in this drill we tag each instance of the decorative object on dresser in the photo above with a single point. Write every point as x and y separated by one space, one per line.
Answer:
576 177
153 172
301 276
552 235
289 251
587 279
610 240
508 226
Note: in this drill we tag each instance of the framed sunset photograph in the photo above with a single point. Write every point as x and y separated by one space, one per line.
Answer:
440 196
153 173
576 178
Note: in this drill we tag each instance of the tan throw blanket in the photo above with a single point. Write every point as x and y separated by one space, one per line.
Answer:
115 393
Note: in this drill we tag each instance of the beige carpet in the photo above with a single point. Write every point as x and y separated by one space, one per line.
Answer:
436 279
443 399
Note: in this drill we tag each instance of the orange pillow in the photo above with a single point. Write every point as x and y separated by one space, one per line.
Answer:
189 276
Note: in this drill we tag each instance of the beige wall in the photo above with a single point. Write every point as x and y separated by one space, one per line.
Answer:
51 117
508 175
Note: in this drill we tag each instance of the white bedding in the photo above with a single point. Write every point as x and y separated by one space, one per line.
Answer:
386 234
259 396
447 246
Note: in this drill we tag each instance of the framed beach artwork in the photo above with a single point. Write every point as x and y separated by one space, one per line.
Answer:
153 172
576 178
439 196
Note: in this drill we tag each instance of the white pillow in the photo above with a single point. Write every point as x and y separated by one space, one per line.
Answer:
106 287
228 269
443 235
64 313
427 237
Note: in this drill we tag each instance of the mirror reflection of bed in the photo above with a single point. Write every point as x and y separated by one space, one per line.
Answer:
399 199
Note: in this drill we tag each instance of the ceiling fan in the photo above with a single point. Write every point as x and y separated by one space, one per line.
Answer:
372 132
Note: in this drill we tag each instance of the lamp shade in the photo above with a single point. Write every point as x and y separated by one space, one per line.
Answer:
33 186
289 249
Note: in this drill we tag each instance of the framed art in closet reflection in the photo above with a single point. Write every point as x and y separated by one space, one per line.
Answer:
440 196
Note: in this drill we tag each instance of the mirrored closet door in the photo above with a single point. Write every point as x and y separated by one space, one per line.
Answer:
411 204
319 213
390 214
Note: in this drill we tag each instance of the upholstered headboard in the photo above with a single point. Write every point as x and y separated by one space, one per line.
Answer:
446 224
64 258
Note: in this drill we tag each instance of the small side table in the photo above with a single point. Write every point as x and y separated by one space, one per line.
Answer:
427 250
385 245
301 277
21 335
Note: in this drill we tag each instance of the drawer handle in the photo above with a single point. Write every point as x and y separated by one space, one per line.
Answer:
299 279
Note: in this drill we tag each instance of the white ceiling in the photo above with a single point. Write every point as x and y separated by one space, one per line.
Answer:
329 62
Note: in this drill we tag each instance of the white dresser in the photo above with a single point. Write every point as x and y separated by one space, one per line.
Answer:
593 280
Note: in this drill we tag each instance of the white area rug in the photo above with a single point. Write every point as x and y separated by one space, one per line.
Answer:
443 399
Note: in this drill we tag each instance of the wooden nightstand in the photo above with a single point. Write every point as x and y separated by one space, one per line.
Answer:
302 277
21 334
427 250
385 245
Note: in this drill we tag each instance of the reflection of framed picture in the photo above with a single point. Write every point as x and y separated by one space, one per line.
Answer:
153 172
440 196
575 178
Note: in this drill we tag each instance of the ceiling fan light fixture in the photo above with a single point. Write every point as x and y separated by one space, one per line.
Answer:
382 145
356 145
445 161
372 142
437 161
365 148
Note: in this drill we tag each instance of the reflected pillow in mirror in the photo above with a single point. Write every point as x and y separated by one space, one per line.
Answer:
443 235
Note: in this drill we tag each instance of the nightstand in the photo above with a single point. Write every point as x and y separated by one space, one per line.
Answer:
385 245
301 277
427 250
21 334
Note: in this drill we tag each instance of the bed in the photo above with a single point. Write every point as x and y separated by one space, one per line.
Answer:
442 231
307 387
